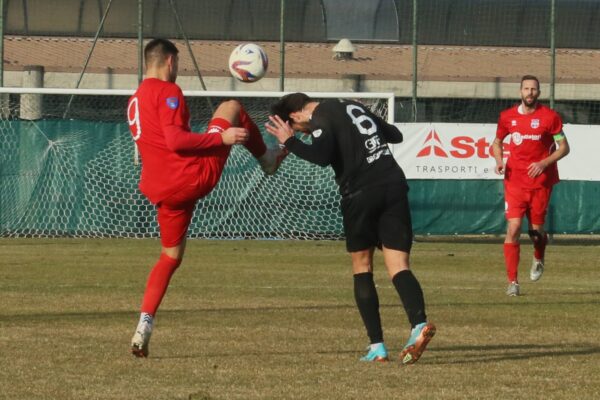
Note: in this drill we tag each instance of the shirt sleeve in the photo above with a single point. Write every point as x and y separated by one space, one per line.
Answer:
319 152
556 126
501 129
172 112
391 133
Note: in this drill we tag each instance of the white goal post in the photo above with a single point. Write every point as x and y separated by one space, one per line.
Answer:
67 169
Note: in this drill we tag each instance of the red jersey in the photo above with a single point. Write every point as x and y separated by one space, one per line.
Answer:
171 155
532 140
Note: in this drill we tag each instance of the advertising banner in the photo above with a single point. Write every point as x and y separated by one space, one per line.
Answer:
463 151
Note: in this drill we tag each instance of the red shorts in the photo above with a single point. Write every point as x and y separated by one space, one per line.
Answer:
531 202
176 211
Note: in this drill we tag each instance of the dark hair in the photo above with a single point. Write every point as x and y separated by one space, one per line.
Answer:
530 78
288 104
157 50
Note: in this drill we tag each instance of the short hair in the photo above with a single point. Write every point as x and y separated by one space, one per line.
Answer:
157 51
530 78
288 104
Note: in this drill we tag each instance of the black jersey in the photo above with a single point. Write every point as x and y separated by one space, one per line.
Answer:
354 141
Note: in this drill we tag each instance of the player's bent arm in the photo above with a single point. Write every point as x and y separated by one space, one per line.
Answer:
179 140
320 155
497 152
561 152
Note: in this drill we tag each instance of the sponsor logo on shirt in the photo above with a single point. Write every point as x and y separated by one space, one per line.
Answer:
172 102
513 123
535 123
517 138
317 133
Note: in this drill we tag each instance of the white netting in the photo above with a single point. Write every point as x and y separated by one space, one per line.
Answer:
68 169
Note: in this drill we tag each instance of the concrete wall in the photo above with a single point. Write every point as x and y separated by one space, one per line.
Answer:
436 89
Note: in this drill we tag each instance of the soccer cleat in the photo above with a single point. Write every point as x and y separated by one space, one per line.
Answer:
272 159
417 342
513 289
377 352
140 342
537 269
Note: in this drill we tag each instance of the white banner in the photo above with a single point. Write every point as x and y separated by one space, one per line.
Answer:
463 151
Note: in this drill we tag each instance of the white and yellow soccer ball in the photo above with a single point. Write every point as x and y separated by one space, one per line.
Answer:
248 62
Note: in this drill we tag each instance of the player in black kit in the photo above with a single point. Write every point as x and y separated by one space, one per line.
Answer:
374 204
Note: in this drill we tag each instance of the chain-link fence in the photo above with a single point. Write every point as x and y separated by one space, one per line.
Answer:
446 60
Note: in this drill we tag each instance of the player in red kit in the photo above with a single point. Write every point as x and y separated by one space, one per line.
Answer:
178 166
537 143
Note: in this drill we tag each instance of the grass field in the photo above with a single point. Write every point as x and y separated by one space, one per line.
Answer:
276 320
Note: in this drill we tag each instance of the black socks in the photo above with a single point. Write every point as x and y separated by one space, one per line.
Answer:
411 294
367 301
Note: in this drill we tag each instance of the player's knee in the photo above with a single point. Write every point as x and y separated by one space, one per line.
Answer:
230 106
535 235
229 110
514 231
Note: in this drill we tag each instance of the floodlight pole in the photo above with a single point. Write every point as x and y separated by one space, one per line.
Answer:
282 48
414 64
1 43
87 60
552 51
140 41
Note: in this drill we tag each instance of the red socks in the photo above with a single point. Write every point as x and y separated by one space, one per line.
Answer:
217 125
158 281
255 144
512 253
539 247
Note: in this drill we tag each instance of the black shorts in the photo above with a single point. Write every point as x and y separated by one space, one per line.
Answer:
378 215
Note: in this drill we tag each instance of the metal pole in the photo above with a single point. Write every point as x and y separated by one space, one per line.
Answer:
282 47
414 66
87 60
1 43
140 41
552 51
187 43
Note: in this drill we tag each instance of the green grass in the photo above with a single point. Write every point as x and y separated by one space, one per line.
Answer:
276 320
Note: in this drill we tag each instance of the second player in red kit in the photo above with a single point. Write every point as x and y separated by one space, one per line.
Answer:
537 142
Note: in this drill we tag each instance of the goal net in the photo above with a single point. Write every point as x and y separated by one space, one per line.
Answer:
68 167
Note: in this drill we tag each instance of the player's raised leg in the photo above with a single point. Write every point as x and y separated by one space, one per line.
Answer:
269 159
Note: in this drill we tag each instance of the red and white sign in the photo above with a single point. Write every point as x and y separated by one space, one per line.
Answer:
463 151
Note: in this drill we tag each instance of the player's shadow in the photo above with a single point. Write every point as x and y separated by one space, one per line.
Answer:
505 352
435 355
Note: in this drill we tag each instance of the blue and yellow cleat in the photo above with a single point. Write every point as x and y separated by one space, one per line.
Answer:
419 337
377 352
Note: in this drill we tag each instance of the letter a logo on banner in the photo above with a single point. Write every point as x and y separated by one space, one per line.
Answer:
432 142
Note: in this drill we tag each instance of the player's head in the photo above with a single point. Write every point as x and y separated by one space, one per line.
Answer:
530 90
162 54
290 108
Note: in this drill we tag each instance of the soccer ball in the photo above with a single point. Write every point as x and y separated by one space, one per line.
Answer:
248 62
